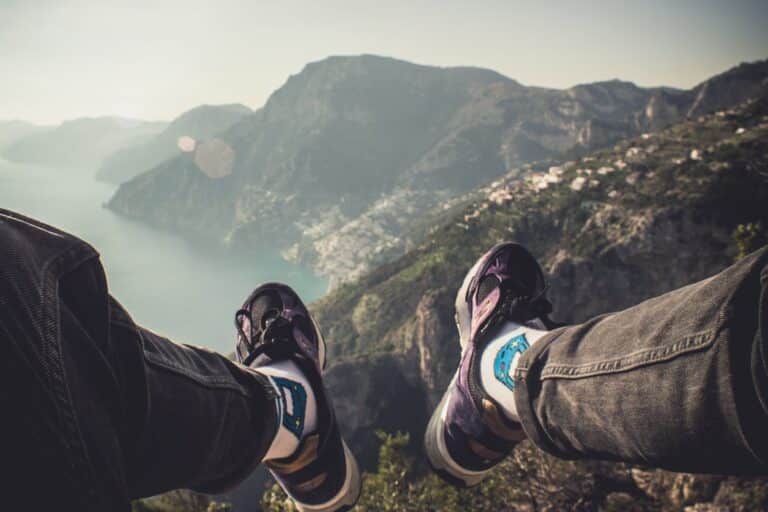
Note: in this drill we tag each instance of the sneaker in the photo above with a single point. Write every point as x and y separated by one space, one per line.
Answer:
274 326
469 433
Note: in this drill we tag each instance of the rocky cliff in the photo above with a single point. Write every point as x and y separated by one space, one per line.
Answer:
351 152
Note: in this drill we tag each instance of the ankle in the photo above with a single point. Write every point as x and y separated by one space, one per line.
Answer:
499 360
295 404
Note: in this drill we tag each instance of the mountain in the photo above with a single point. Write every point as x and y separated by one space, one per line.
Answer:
351 152
11 131
82 143
330 141
611 229
645 216
199 123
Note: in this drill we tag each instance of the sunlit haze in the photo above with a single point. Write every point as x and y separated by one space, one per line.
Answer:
63 59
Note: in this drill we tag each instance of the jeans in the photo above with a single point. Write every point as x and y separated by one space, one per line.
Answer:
96 409
678 382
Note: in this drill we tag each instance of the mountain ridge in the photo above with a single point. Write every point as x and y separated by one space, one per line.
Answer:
199 123
82 142
14 129
347 152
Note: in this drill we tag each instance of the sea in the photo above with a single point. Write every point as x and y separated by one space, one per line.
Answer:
184 289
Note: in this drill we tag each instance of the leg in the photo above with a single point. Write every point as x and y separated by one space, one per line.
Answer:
205 420
99 410
46 461
176 416
677 382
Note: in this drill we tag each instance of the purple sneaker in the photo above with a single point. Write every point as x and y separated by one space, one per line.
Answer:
274 325
468 434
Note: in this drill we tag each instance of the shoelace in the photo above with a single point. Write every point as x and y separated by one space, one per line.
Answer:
274 338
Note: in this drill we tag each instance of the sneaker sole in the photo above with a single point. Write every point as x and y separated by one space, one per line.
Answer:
347 496
437 452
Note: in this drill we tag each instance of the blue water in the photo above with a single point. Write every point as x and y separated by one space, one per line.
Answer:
185 290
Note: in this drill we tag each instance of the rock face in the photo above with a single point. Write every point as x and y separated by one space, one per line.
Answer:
350 153
727 89
81 143
606 246
198 125
645 254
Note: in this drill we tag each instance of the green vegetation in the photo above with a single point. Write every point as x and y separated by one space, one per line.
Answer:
399 485
180 501
749 237
533 481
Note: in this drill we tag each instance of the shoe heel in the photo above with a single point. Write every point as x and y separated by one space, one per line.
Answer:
348 494
439 458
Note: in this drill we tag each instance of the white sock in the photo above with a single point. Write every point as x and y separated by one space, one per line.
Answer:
499 360
296 407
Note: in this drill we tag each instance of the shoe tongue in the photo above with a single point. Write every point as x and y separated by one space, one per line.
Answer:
519 284
491 282
519 290
487 285
265 306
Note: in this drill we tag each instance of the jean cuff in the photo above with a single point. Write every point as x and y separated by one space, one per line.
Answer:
527 386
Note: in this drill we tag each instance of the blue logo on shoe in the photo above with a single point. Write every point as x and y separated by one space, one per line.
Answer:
502 364
294 404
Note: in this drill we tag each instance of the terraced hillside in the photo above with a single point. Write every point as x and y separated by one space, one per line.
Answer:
648 215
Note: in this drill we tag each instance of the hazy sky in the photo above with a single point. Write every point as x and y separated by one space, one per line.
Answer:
62 59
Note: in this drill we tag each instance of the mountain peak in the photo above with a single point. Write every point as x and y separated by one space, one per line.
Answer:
613 84
349 66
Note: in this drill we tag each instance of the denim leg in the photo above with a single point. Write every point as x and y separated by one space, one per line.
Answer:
97 410
46 462
677 382
207 421
156 415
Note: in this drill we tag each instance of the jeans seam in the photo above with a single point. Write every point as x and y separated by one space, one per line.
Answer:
535 353
75 254
208 381
638 359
